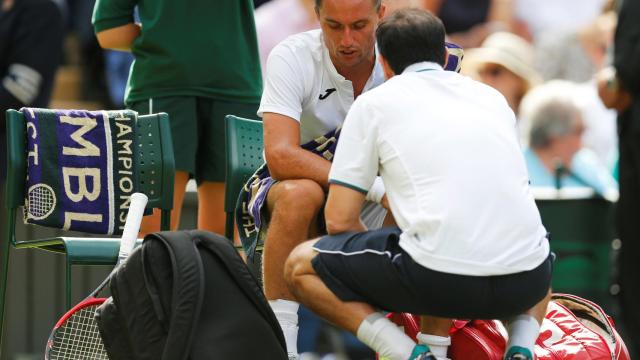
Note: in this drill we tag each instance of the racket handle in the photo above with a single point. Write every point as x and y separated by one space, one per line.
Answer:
132 225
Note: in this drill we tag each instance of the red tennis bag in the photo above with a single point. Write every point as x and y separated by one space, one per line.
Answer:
574 328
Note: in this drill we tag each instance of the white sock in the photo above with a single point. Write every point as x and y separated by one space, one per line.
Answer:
523 331
438 344
385 337
287 314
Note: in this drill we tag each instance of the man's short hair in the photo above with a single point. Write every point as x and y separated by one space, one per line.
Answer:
409 36
376 3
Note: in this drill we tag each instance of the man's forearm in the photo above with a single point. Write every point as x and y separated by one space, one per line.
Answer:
342 211
119 38
299 164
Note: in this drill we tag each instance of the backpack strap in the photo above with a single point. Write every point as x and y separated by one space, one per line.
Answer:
187 292
223 248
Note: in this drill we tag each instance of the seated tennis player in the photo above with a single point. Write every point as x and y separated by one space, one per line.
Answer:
470 243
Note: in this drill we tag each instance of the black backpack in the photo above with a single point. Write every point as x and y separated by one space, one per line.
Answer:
188 295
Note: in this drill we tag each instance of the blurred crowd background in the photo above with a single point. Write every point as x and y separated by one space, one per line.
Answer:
542 55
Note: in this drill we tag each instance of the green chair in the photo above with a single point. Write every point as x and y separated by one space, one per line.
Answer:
154 176
244 156
581 236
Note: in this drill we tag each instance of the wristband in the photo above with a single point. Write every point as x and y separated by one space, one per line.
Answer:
377 190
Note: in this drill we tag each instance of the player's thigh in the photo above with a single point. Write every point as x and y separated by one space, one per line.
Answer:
211 157
183 120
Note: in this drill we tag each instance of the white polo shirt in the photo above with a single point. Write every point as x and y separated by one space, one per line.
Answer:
447 150
302 83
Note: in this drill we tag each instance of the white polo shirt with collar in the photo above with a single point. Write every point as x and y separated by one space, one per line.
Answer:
302 83
447 149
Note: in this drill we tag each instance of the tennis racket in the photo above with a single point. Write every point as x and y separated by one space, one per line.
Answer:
76 334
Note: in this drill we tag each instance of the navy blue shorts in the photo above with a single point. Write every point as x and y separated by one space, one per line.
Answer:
371 267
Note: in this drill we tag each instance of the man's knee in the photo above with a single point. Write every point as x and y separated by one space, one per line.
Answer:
301 196
299 263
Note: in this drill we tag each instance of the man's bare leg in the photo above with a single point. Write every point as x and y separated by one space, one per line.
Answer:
151 223
293 206
539 311
359 318
434 332
211 215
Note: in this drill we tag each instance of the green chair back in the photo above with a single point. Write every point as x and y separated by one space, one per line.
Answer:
154 176
581 236
244 156
156 165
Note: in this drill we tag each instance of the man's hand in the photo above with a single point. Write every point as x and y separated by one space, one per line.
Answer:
610 92
385 202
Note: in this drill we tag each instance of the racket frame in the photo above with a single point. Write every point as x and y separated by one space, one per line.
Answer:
129 236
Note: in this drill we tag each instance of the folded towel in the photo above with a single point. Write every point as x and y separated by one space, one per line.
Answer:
454 58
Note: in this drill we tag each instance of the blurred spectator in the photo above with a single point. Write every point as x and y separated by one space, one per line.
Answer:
504 62
278 19
555 155
92 61
600 123
600 134
620 90
31 33
540 16
469 22
578 54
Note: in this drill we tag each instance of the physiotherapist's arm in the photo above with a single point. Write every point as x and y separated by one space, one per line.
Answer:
342 211
286 159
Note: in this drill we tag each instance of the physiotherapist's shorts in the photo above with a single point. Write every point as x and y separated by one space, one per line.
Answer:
371 267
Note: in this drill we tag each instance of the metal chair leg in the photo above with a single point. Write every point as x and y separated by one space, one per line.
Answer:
3 285
67 298
165 220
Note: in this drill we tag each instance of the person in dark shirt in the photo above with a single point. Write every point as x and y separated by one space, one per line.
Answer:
620 90
31 33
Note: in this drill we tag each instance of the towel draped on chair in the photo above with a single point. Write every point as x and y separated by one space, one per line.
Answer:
80 169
